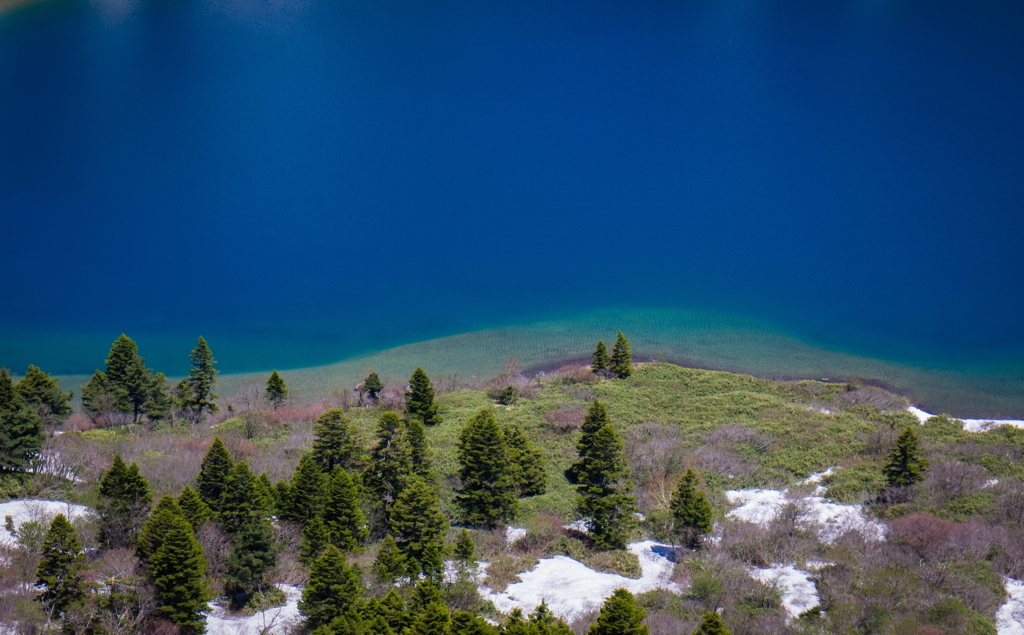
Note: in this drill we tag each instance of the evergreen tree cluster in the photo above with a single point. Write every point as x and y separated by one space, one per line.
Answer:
691 512
21 428
618 364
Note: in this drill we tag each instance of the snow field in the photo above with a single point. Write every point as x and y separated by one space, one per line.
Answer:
43 511
970 425
274 621
571 589
1010 616
799 594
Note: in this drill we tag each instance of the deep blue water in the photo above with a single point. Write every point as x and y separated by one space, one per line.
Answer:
314 178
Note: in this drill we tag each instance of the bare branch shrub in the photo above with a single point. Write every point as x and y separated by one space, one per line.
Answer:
575 374
567 418
952 479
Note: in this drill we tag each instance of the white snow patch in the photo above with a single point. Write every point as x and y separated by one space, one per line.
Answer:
25 510
798 591
1010 616
992 482
817 565
278 620
970 425
819 476
830 520
513 534
571 589
579 525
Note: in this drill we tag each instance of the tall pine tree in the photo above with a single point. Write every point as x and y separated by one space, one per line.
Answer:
253 556
622 358
213 474
372 386
488 494
620 615
202 377
344 518
126 385
177 572
276 391
21 429
124 503
240 503
196 511
526 462
418 527
165 518
337 441
306 492
419 399
422 457
602 481
600 360
315 538
60 568
390 463
691 512
40 392
334 591
389 564
906 464
595 419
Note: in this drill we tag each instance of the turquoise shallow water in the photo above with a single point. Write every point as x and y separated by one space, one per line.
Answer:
311 181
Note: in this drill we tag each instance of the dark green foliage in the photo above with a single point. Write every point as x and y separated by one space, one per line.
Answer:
196 512
600 360
240 504
345 519
422 458
602 481
508 396
418 527
252 556
124 504
712 624
336 441
60 568
306 492
390 461
433 620
464 550
276 391
334 591
526 462
167 517
372 386
126 385
176 571
41 392
21 429
691 512
544 622
315 538
622 358
906 463
620 615
488 494
265 493
389 565
202 376
419 399
465 623
213 475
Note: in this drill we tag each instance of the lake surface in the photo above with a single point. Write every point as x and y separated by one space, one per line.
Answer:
303 181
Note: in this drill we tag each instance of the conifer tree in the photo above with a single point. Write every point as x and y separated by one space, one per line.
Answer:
488 494
526 462
544 622
419 399
422 457
620 615
595 419
96 394
202 377
691 512
21 429
712 624
390 462
334 590
464 551
337 441
124 504
315 538
276 390
253 555
240 503
389 564
196 512
40 391
165 518
306 498
213 474
344 518
418 527
60 568
372 386
515 624
176 570
465 623
600 360
394 610
132 387
266 495
906 463
622 358
433 620
603 485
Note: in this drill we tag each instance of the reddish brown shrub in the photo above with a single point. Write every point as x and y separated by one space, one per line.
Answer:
78 422
566 419
576 374
923 533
